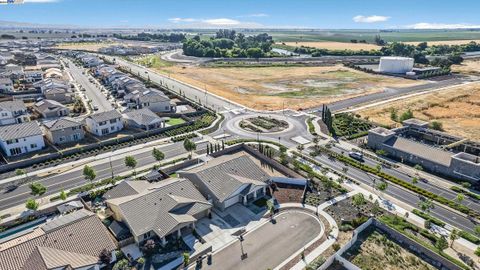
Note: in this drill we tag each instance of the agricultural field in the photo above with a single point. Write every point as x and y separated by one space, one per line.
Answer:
457 108
377 252
335 45
296 87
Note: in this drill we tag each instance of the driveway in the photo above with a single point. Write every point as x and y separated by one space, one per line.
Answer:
270 244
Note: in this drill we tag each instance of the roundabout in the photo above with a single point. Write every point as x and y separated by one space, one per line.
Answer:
263 124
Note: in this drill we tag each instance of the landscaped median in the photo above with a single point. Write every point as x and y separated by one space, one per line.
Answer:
430 195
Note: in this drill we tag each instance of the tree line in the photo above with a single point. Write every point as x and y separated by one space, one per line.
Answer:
163 37
230 44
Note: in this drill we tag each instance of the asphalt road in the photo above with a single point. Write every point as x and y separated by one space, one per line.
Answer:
401 194
269 245
388 93
91 90
74 178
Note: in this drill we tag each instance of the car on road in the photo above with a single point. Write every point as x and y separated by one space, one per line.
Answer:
356 155
95 108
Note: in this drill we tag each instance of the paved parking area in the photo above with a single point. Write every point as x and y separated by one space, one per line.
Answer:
270 244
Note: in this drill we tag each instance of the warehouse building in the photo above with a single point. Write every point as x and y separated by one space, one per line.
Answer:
395 64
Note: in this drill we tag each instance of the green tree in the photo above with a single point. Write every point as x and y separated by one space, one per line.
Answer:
37 189
441 243
453 236
426 205
158 155
381 152
477 230
393 115
186 258
131 162
382 186
20 172
300 147
408 114
189 145
63 195
436 125
31 204
89 173
358 200
378 167
477 251
460 198
414 180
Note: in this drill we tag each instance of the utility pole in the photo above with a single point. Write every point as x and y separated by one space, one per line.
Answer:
111 167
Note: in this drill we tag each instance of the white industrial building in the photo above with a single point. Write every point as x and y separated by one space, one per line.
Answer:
394 64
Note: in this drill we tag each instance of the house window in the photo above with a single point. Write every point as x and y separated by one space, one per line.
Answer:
102 123
33 145
12 141
15 151
62 138
113 121
75 136
104 131
112 128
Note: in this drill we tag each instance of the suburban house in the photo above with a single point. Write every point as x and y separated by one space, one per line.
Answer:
21 138
143 119
49 84
73 241
13 68
61 95
104 123
32 76
54 73
13 112
153 99
230 179
6 85
164 210
50 108
63 130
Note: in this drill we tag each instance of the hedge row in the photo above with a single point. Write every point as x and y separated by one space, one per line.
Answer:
466 192
469 237
459 207
184 137
311 127
426 216
232 142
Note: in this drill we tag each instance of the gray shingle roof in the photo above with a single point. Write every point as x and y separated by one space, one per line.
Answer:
105 116
143 116
86 236
48 105
14 105
127 188
162 207
225 175
61 123
18 131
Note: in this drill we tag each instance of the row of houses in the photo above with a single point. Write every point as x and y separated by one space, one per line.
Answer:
19 135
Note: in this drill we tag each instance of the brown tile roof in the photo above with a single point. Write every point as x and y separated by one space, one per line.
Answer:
86 236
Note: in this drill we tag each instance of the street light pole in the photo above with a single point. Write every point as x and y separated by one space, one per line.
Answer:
111 167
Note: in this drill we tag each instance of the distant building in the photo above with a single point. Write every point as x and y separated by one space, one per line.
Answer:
63 130
6 85
435 151
104 123
59 94
395 64
153 99
21 138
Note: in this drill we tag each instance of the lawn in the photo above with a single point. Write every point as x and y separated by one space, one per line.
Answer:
175 121
457 108
295 87
153 61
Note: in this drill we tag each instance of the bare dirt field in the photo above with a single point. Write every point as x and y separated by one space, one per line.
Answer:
269 88
458 109
335 45
445 42
471 67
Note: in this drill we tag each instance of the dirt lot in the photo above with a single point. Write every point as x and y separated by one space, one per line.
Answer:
334 45
471 67
268 88
378 252
458 109
87 46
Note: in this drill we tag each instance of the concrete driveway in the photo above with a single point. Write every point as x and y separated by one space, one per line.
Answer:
270 244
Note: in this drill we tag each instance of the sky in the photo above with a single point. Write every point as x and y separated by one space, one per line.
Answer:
319 14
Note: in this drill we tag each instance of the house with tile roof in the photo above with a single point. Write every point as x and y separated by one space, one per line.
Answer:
230 179
73 241
21 138
153 99
63 130
50 108
164 210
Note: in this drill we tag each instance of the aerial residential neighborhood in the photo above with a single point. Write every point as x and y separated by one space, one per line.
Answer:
279 135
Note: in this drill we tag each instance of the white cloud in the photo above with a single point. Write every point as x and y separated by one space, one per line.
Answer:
370 19
425 25
212 23
222 22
